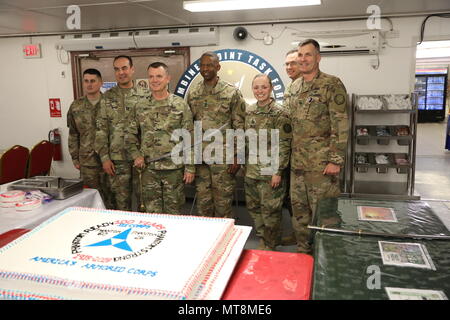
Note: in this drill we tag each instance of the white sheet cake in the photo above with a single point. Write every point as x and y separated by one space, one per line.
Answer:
104 254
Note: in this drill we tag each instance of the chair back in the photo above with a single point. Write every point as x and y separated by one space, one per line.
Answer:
40 159
13 164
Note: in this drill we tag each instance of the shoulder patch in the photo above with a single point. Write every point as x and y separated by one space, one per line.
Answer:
287 128
339 99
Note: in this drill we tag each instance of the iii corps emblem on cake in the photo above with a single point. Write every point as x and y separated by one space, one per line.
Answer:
118 240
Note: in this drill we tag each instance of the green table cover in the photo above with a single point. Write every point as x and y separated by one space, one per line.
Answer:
343 265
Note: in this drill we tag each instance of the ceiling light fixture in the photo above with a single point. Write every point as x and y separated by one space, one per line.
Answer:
227 5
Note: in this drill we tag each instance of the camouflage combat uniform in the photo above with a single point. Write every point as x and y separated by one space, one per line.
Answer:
263 202
287 171
215 107
112 121
149 135
318 111
81 119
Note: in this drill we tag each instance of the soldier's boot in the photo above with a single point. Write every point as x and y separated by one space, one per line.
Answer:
288 240
262 245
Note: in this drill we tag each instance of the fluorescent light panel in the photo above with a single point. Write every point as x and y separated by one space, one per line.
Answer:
228 5
433 49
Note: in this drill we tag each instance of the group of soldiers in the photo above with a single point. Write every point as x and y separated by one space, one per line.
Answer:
122 141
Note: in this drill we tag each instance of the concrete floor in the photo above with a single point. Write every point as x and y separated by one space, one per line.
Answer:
432 182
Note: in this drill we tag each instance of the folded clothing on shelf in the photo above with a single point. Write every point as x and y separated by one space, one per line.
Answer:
400 159
402 131
362 132
398 102
382 159
382 131
362 159
369 103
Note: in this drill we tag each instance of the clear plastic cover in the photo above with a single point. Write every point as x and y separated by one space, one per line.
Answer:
411 217
350 267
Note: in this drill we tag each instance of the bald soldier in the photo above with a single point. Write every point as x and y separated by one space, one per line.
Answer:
218 105
317 104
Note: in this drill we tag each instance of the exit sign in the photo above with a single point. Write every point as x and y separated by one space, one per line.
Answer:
31 51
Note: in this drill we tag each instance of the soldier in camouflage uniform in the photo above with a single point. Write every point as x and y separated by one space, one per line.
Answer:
81 119
265 191
112 121
149 138
217 104
292 67
317 105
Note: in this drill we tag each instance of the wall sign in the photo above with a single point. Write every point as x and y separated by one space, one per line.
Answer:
31 51
55 107
237 67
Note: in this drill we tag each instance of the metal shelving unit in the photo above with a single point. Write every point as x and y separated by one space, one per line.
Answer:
383 146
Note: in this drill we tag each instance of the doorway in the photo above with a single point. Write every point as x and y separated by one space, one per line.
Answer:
433 139
177 59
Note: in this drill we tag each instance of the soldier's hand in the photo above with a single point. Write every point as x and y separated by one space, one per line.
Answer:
233 168
188 177
108 167
276 180
139 162
332 169
77 166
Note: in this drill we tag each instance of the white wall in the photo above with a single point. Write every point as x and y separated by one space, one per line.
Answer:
27 84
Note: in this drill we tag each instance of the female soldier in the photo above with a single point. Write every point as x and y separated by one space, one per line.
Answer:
265 186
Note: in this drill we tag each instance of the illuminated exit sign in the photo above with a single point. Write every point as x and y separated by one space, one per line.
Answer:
31 51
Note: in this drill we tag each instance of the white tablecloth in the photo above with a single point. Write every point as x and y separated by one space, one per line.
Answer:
12 219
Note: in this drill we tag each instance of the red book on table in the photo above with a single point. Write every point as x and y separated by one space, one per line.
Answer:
271 275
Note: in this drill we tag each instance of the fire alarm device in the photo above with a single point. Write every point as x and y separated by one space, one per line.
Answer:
31 51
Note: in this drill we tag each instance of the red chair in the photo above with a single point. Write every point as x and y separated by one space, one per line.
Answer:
13 164
40 159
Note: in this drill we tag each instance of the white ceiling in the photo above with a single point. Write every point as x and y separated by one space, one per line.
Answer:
27 17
